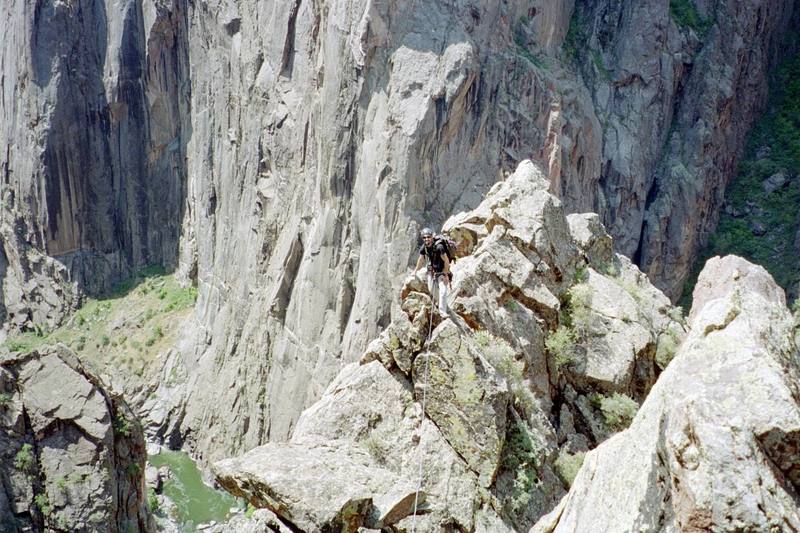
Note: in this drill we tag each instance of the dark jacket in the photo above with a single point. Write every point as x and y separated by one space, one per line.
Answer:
434 254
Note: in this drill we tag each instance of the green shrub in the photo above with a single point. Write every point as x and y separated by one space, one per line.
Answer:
576 37
5 399
24 460
685 15
180 298
42 503
122 426
676 314
250 510
580 300
23 343
374 447
503 358
104 340
77 478
561 346
632 288
618 411
567 466
581 275
523 456
667 347
600 65
152 501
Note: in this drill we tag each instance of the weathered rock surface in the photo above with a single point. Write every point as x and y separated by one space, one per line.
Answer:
261 521
471 406
331 497
723 418
71 455
283 155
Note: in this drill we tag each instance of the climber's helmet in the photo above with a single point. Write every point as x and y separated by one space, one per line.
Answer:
427 235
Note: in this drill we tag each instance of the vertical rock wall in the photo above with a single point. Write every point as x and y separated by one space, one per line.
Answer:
95 121
674 102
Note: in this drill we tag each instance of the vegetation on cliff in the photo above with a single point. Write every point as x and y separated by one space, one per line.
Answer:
760 220
124 330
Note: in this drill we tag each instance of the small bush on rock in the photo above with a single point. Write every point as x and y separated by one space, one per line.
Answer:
523 455
122 426
667 347
23 460
685 15
374 447
561 345
152 500
503 358
618 411
580 299
567 466
42 503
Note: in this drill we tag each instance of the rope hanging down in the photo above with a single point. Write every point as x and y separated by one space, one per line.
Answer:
422 417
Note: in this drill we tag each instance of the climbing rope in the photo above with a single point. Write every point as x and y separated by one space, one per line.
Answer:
422 417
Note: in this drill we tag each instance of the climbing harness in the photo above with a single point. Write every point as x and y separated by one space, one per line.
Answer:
422 417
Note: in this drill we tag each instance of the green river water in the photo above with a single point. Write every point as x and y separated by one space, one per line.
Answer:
196 502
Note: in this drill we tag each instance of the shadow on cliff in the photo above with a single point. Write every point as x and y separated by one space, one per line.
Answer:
113 189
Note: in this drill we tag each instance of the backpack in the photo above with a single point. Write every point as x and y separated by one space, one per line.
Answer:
448 244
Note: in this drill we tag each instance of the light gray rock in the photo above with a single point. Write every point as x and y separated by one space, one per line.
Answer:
723 418
72 454
305 487
261 521
620 319
465 397
484 442
589 234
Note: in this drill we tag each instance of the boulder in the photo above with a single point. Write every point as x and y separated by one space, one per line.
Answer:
465 397
329 486
72 455
723 418
365 432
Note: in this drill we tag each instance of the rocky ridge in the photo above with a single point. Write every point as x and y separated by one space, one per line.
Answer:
499 408
71 454
715 444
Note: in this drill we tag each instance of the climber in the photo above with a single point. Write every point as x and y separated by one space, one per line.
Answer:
438 268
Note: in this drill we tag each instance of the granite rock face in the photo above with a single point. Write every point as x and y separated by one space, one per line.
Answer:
95 123
72 455
723 418
283 155
465 415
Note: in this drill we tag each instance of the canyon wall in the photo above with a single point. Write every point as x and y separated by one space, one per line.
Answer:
282 156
